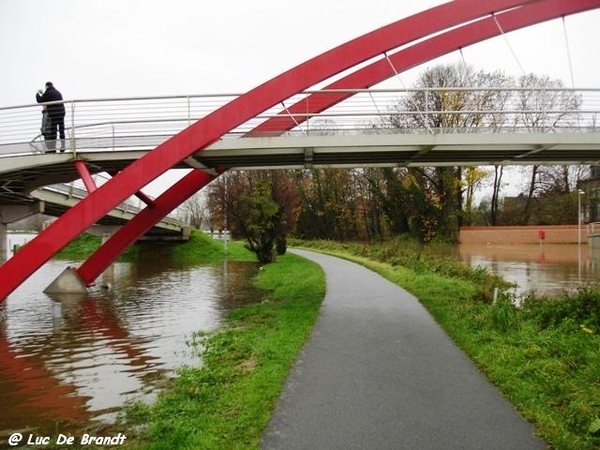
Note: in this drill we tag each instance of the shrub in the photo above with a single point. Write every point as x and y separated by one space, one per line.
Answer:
581 307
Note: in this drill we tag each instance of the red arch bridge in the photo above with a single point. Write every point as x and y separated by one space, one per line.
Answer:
283 123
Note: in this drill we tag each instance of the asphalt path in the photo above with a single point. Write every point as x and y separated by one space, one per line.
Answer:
379 373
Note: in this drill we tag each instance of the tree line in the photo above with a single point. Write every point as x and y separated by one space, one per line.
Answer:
264 207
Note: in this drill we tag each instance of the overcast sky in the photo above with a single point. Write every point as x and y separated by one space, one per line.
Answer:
116 48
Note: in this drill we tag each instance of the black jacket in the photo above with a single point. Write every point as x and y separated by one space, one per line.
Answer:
51 95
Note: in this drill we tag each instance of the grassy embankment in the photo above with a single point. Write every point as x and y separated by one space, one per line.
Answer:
81 248
544 356
227 402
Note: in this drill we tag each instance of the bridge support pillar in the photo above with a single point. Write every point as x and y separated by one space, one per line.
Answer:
68 282
12 213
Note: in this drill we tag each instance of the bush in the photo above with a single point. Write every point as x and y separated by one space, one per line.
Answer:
582 307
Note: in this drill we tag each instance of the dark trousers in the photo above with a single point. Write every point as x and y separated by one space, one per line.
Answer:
57 127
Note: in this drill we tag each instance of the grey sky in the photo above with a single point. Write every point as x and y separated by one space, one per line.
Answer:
116 48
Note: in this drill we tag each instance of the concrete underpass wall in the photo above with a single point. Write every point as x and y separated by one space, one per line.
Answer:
554 234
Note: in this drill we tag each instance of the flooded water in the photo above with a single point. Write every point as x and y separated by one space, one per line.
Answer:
74 361
546 269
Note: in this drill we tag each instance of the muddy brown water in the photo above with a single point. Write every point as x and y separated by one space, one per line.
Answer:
71 362
546 269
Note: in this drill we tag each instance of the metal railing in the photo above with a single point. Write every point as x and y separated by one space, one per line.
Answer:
145 122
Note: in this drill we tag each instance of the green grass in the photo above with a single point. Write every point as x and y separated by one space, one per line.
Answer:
85 244
545 357
200 248
227 402
82 247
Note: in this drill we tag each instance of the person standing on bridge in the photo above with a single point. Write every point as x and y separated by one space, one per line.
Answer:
56 116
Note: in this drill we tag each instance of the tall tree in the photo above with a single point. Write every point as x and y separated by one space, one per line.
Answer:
386 185
328 208
472 179
495 201
257 206
438 110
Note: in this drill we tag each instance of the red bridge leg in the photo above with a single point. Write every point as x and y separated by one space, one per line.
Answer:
140 224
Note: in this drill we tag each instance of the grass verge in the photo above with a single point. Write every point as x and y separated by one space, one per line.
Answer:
227 402
545 356
83 246
201 248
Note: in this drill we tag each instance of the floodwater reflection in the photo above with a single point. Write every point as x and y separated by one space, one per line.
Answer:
546 269
70 361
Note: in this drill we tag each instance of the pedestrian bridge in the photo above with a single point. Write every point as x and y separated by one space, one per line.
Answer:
363 131
372 127
283 124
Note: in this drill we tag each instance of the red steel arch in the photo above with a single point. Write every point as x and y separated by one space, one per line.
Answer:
365 77
204 132
420 53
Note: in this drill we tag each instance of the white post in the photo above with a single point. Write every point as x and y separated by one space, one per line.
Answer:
579 194
225 218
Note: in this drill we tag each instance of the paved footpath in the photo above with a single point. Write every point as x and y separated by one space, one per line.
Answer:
379 373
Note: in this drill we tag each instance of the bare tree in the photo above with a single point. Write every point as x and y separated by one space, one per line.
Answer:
194 211
495 200
546 107
545 104
439 110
